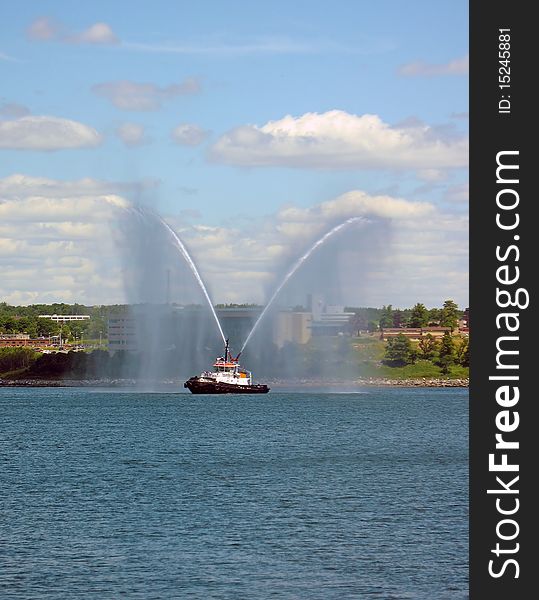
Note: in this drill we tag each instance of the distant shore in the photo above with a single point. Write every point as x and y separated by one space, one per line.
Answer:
275 384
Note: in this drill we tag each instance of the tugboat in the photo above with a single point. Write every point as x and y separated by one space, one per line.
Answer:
227 378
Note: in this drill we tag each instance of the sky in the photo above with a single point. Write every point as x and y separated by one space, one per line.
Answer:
252 128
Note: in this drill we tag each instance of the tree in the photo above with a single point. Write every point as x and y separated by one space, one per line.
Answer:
372 327
358 323
447 350
450 315
398 351
419 316
427 346
46 327
435 314
386 320
445 364
399 318
462 352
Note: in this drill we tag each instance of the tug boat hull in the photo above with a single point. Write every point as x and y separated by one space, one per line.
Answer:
197 385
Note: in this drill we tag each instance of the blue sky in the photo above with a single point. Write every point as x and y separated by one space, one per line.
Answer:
184 95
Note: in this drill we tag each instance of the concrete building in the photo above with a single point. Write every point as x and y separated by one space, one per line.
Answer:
292 326
327 319
65 318
122 333
237 322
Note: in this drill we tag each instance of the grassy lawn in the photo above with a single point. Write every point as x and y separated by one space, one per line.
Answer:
369 352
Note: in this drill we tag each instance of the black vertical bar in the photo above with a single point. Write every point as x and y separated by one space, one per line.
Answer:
501 120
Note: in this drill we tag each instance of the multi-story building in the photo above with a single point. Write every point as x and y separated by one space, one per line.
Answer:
65 318
291 326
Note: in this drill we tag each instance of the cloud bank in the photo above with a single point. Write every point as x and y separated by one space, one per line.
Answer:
458 66
130 95
339 140
59 240
132 134
46 133
45 29
189 134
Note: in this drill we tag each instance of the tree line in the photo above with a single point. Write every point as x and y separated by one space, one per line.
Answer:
373 319
25 319
444 353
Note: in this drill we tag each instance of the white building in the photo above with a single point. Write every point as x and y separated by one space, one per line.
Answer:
65 318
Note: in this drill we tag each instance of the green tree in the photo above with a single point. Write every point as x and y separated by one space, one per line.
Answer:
386 320
9 325
358 323
427 346
398 351
372 326
419 316
434 316
462 352
399 318
16 358
46 327
450 315
445 365
447 349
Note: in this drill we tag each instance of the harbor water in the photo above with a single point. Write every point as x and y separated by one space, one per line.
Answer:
298 494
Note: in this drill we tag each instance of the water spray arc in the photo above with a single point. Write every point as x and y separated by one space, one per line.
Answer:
183 250
295 267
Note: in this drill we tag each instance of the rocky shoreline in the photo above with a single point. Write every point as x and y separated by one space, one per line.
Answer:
276 383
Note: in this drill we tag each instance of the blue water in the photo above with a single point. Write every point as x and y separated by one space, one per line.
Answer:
288 495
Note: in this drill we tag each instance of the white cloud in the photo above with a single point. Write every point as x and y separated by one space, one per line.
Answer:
98 33
130 95
24 186
420 254
432 175
131 134
458 193
46 133
45 29
458 66
339 140
188 134
58 242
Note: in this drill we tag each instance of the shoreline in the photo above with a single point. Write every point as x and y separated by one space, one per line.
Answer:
437 382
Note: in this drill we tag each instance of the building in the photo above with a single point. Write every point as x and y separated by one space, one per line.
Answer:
122 333
65 318
464 323
292 326
327 319
413 333
23 340
158 327
237 322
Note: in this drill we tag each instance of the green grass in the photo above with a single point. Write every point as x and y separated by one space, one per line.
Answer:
369 353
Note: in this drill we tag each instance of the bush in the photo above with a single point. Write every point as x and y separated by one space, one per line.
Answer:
12 359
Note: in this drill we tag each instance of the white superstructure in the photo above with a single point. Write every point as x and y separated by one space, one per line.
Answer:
227 370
